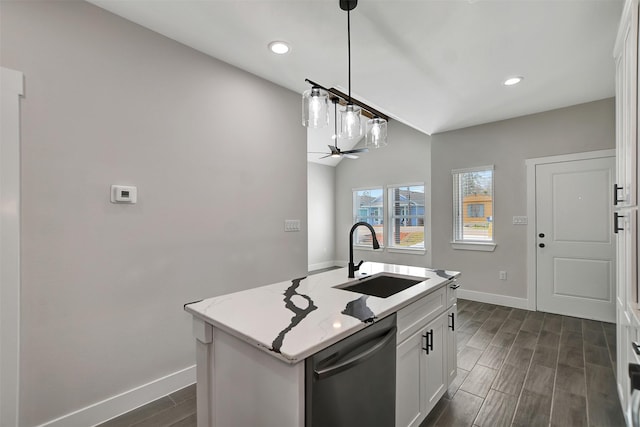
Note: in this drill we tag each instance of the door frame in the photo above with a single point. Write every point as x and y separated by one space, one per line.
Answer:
12 90
532 303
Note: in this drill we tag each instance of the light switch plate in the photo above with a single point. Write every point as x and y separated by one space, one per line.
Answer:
291 225
520 220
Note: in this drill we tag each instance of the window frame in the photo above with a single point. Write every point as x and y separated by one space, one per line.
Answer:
391 216
470 244
355 215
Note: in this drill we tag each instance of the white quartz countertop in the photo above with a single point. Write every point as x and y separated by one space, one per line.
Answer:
294 319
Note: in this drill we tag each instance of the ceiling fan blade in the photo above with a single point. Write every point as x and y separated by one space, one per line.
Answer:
349 156
357 150
324 157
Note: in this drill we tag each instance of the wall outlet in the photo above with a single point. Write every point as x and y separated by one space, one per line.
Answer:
503 275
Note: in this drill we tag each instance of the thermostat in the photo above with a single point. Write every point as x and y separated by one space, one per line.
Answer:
124 194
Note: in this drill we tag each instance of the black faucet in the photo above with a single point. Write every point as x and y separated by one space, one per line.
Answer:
353 268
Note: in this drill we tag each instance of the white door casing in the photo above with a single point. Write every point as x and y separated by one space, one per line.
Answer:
575 245
12 88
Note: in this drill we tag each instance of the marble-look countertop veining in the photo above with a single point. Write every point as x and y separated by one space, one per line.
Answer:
294 319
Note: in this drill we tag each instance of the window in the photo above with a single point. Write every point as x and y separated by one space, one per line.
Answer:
475 210
473 206
406 217
368 206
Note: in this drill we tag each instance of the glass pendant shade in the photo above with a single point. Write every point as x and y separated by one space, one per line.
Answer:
376 133
315 108
350 125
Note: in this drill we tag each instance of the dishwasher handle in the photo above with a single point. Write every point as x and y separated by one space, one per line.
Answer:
358 358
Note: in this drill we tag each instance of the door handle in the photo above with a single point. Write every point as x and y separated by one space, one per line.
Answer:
453 321
541 245
616 224
616 188
636 348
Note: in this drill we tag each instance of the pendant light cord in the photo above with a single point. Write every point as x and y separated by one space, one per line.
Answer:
335 121
349 48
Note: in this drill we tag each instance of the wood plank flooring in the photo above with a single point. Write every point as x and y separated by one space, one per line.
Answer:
515 368
522 368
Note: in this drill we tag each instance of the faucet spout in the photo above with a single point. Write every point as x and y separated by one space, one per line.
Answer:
352 267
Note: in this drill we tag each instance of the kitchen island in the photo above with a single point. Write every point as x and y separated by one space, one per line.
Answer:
251 345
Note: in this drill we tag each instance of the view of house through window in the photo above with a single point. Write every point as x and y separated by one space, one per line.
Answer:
368 206
406 217
473 204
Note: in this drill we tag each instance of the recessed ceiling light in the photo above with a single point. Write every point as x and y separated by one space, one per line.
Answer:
279 47
513 80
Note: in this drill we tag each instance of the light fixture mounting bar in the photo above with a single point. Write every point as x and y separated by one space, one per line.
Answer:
345 97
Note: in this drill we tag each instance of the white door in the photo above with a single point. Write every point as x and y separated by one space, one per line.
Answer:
575 270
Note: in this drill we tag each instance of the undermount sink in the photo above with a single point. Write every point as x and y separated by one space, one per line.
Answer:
381 285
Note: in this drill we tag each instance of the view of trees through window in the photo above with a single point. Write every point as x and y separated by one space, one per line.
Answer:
473 205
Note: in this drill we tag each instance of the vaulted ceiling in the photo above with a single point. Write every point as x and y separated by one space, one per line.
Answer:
433 65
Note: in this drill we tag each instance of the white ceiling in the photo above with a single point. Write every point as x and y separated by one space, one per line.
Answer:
433 65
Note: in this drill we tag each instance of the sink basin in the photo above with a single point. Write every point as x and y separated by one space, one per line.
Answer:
381 285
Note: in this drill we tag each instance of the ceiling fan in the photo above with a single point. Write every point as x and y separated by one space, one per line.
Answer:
335 151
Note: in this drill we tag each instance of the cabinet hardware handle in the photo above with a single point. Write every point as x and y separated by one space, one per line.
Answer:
454 285
616 224
428 336
541 235
616 188
453 321
636 348
541 245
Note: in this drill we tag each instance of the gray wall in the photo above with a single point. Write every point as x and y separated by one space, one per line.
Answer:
507 144
321 183
109 102
405 160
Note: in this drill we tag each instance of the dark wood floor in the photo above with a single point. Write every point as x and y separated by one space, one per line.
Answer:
524 368
515 368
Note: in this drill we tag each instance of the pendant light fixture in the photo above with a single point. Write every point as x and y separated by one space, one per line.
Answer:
350 127
315 108
376 133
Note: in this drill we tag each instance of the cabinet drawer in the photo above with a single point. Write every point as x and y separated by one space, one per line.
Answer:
416 315
452 293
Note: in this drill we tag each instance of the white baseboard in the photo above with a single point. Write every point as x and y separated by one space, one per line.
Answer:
124 402
321 265
494 298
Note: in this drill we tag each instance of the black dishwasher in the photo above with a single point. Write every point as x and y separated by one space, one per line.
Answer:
353 382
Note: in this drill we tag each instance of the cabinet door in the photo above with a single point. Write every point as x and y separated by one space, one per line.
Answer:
622 356
436 361
410 381
452 345
626 54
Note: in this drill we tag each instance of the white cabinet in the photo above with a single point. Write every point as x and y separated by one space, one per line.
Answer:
426 356
626 197
421 372
452 344
626 57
